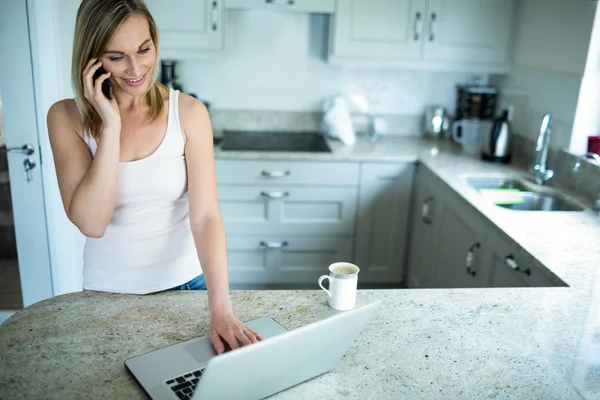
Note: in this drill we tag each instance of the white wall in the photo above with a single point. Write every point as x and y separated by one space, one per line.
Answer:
275 61
551 46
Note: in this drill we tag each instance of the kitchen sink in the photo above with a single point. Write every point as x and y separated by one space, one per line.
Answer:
274 141
535 198
496 183
542 202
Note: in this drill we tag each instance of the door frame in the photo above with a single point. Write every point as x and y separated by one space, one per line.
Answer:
64 240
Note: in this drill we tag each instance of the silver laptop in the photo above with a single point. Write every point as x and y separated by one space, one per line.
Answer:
192 369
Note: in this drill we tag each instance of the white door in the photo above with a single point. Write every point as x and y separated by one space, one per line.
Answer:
386 29
18 128
468 30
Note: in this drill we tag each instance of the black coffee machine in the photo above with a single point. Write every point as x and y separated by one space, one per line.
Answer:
168 77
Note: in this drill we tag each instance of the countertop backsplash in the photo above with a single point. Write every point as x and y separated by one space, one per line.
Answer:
308 121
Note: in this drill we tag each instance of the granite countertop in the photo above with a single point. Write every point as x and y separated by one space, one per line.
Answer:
439 343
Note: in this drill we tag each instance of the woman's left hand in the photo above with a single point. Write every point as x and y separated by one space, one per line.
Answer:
225 326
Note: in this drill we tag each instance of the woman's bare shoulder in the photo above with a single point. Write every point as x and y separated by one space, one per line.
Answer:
66 113
191 111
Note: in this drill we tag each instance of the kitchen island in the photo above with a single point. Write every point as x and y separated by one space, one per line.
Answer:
427 343
449 343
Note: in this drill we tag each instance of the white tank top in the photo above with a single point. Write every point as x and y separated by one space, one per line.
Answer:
148 244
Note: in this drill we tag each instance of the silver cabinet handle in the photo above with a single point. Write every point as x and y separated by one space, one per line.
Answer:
29 164
510 261
275 174
417 33
26 149
469 259
281 2
432 24
274 195
425 211
215 15
273 245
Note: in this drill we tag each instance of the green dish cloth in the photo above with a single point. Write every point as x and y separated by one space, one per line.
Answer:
502 196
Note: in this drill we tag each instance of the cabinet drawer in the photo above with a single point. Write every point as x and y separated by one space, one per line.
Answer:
314 6
283 259
286 173
292 210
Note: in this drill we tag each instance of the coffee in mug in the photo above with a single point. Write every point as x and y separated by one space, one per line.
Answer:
343 281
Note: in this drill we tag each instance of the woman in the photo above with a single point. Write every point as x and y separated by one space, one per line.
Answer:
136 173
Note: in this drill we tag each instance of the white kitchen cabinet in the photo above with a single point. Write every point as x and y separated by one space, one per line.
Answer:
461 258
468 30
382 226
311 6
378 28
189 29
290 210
422 34
286 221
283 261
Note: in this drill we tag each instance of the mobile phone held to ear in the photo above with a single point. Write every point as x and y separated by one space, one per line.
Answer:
106 85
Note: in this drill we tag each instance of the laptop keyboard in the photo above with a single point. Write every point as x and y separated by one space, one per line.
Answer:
185 385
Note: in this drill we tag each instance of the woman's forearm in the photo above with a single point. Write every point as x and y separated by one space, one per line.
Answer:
209 236
93 202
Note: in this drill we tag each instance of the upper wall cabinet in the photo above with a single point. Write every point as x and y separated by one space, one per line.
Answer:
468 30
191 30
387 29
424 34
310 6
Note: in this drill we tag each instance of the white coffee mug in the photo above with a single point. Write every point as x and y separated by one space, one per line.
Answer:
473 131
343 281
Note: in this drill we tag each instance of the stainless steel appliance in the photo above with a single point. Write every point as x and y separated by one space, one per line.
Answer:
436 123
497 141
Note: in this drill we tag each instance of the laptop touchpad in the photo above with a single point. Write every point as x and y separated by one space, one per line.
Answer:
202 350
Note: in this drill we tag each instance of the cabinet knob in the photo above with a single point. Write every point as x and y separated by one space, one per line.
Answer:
273 245
432 24
215 15
469 259
510 261
275 174
425 211
418 27
274 195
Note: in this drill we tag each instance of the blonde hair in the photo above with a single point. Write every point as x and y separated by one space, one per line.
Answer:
97 21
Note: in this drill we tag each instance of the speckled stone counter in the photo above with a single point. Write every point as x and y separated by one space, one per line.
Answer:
533 343
484 343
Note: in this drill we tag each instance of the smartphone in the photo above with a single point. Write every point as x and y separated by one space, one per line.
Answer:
106 85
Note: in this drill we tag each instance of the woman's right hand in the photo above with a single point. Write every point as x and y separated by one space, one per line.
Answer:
108 109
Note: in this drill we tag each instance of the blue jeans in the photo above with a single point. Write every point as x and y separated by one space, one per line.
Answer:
198 283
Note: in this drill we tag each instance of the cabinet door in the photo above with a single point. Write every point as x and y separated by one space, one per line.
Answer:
468 30
283 261
511 267
422 249
389 29
384 202
304 6
461 261
188 29
290 210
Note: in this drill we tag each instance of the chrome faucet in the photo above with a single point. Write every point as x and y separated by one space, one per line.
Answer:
540 155
576 167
